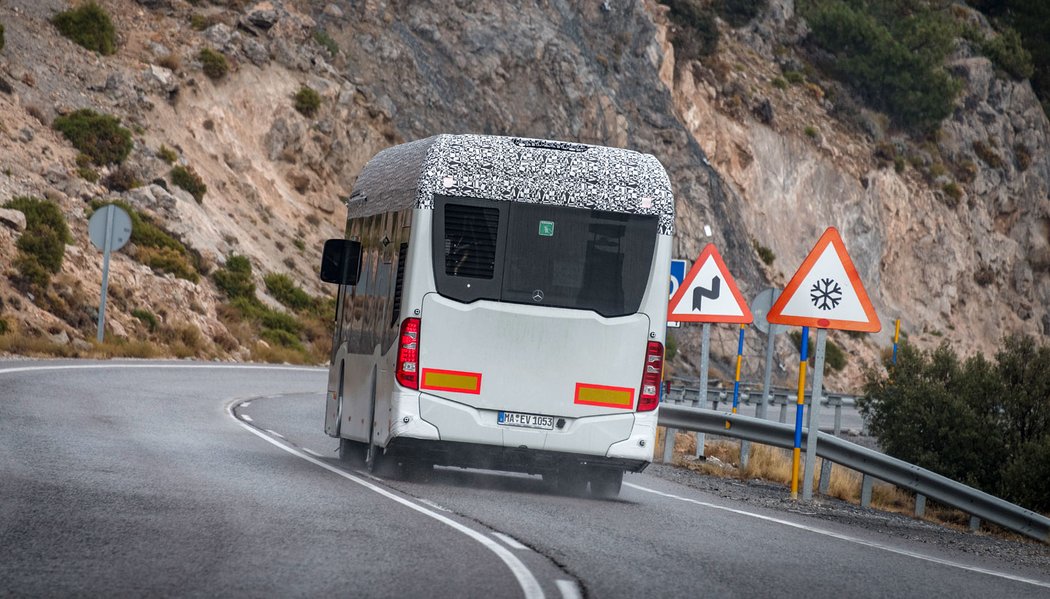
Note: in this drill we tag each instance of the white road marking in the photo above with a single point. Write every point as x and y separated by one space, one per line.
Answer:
247 417
844 537
434 505
568 589
159 366
312 452
274 433
510 541
245 404
526 580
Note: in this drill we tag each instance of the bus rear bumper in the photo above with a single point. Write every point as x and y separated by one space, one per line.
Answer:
493 457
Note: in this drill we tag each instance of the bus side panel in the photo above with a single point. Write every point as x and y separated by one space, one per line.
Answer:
369 327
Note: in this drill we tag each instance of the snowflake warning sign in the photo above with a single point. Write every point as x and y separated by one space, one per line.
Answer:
826 292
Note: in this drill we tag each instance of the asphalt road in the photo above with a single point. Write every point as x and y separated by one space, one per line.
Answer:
189 479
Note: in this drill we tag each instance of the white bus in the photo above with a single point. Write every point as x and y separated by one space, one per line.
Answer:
502 305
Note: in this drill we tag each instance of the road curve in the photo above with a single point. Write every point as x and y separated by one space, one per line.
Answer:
192 479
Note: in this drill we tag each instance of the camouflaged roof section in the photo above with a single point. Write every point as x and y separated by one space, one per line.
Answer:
390 180
520 169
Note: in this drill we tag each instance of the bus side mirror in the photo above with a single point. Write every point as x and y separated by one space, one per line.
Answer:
341 261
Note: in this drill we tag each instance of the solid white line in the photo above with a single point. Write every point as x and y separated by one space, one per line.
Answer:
312 452
568 589
843 537
247 417
274 433
529 585
433 505
156 366
245 404
510 541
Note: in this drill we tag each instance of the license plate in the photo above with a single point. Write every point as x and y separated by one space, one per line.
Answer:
526 420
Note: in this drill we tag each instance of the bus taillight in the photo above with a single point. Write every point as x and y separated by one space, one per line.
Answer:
408 354
651 375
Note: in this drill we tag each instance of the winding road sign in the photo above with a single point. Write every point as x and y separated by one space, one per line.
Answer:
826 292
709 293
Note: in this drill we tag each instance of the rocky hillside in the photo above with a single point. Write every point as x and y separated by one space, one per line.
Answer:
950 231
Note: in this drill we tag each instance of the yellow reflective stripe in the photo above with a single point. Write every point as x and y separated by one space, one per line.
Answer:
604 396
451 381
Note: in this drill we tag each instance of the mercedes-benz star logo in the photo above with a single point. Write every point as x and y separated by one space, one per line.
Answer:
537 296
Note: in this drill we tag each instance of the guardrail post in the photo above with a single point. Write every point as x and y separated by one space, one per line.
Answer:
784 411
825 476
705 348
920 505
701 399
669 435
865 490
838 416
975 524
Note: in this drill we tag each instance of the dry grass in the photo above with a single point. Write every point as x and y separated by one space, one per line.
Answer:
774 465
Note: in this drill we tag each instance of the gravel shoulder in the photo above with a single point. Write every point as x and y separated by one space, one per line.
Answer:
1003 546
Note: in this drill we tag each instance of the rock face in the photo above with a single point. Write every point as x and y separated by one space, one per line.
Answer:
755 164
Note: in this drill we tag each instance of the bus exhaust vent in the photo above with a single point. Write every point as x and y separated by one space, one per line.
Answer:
470 241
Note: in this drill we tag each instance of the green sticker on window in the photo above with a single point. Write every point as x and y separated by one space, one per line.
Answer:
546 228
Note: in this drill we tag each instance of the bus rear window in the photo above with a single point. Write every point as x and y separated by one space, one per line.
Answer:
543 255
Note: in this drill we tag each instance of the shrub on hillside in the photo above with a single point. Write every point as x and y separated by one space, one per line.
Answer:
155 247
893 59
98 136
167 155
834 357
213 63
235 278
307 101
967 419
89 26
325 41
188 179
121 179
284 290
1007 52
739 12
695 35
42 246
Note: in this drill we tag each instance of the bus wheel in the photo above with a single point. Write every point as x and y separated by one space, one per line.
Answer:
606 482
351 452
569 481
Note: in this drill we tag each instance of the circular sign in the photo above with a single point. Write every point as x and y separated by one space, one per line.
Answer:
119 234
760 307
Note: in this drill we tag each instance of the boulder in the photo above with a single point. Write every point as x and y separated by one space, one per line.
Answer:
263 15
13 219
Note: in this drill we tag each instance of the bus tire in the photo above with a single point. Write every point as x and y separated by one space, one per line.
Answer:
606 482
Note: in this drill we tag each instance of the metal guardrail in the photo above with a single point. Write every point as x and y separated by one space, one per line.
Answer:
864 460
777 397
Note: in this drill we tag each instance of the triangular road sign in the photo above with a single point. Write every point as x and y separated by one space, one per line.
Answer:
709 293
826 292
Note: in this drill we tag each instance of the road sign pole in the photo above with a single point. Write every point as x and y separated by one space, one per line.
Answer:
767 376
896 337
107 245
814 415
796 452
705 348
736 389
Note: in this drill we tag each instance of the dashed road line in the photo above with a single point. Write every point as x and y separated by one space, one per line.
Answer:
848 538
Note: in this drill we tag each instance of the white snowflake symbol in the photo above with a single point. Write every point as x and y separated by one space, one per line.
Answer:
825 294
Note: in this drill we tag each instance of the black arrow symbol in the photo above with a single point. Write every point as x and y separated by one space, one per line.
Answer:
699 293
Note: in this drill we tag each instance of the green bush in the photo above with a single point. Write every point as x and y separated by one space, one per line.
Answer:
894 59
284 290
764 253
168 260
834 357
696 33
121 179
739 12
42 246
214 63
147 318
307 101
235 278
325 41
188 179
167 155
983 423
89 26
1007 52
1031 20
282 338
98 136
154 246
